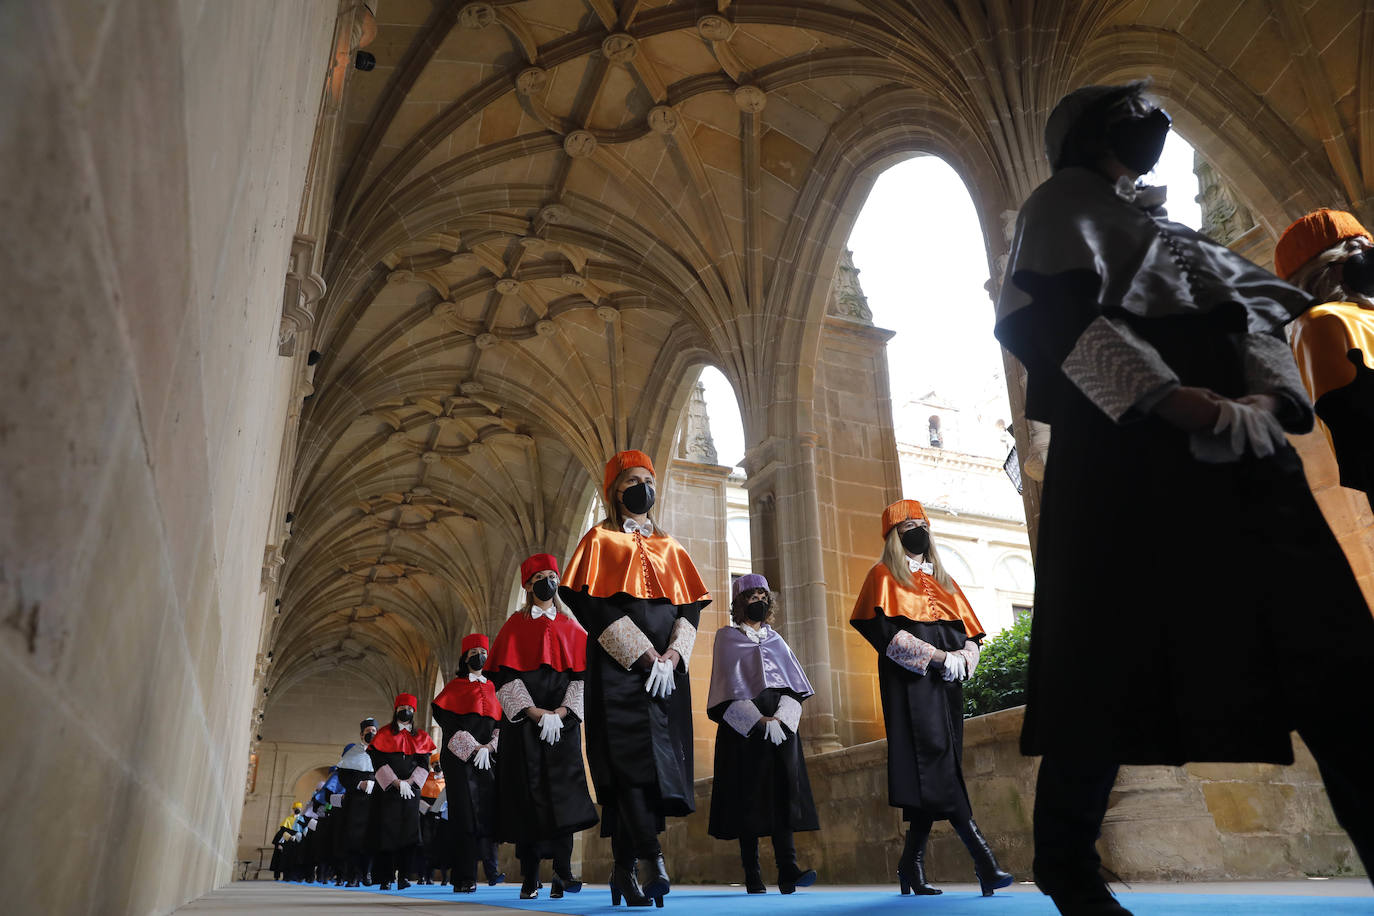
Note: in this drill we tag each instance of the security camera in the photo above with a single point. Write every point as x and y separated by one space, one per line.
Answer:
364 61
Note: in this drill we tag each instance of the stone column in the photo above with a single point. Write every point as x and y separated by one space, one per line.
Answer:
694 513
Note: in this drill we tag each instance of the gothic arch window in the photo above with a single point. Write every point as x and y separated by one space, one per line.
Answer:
955 564
936 439
1014 573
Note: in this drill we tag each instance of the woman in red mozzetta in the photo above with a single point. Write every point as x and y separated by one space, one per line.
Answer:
400 759
538 663
469 714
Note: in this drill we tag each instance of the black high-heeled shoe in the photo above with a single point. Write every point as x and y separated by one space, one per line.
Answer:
655 884
625 883
990 875
911 867
753 880
465 887
570 883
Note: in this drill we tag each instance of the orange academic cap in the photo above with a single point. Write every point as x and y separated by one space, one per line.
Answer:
1312 234
633 458
900 511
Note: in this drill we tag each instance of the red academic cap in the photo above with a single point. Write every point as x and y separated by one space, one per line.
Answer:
475 641
406 699
537 563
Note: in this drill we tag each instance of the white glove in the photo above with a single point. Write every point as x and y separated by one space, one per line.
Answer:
956 666
366 785
406 790
1251 426
482 759
660 683
772 730
550 728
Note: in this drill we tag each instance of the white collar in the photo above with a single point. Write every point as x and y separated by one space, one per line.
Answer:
755 636
404 726
536 612
630 526
922 565
476 677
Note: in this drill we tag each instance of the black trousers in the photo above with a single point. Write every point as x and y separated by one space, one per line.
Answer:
559 849
1071 800
784 851
385 865
921 821
636 823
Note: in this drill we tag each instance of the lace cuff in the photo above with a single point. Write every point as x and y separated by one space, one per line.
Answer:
462 745
572 698
624 642
742 715
1117 370
515 699
495 739
684 637
418 777
789 713
911 653
386 776
1270 369
972 652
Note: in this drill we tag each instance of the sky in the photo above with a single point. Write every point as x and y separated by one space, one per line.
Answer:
919 249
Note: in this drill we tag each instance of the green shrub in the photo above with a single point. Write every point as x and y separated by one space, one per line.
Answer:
1000 679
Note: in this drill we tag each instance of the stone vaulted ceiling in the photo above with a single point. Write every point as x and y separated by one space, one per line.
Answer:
547 214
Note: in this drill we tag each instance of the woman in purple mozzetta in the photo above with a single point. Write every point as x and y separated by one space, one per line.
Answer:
761 787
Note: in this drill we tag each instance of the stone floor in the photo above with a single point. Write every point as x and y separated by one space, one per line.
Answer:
1346 895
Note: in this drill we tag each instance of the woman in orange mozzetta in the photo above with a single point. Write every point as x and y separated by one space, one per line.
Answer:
927 638
639 597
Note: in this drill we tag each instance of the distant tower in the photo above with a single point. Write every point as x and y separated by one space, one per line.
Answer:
695 442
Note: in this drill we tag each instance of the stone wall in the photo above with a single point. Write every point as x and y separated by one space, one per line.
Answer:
1199 822
156 153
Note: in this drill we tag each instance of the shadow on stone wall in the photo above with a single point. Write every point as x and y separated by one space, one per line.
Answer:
1197 822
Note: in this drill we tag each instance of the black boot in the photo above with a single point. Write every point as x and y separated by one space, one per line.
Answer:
990 875
911 868
529 888
625 884
654 874
749 858
790 877
1071 797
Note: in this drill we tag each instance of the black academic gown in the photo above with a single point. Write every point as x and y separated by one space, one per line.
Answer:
633 738
395 820
1169 592
356 813
279 841
923 715
759 788
471 792
541 789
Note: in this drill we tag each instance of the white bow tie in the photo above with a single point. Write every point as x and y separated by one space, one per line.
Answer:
476 677
631 527
923 566
536 612
755 636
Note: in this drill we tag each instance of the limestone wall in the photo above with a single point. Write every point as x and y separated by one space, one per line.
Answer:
155 155
1200 822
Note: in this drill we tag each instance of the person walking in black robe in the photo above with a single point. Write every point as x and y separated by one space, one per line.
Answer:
285 835
538 664
469 714
356 775
761 787
400 760
928 639
1174 512
638 595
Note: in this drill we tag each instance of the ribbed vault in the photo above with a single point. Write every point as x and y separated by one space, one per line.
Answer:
548 214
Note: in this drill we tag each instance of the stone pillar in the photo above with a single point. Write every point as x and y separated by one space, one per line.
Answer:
694 513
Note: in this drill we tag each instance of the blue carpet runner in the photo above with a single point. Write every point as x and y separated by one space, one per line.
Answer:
595 900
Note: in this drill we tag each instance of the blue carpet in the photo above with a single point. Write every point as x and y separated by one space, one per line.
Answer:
595 900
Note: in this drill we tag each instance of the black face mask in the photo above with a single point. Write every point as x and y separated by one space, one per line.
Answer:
1139 142
638 499
1357 273
475 662
757 611
404 715
367 738
544 589
916 540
